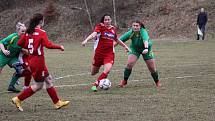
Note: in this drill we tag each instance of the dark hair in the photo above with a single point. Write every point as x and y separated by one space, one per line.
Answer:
103 17
34 21
141 24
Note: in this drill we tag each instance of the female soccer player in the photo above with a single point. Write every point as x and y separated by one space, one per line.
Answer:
105 35
9 54
34 40
141 44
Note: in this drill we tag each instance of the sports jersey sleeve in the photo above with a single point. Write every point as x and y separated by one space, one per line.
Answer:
144 34
126 36
48 44
98 28
6 41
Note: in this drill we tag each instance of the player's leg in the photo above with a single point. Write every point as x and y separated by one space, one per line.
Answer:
26 94
150 62
94 70
24 59
53 93
14 63
27 76
132 59
151 66
104 74
37 73
12 83
108 61
96 64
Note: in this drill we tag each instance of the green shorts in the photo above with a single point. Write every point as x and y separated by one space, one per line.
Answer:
147 56
7 61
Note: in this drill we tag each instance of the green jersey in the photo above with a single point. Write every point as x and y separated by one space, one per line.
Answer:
10 43
137 43
137 39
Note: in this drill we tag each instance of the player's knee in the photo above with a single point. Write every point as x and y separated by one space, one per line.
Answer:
48 81
152 70
130 65
18 67
94 72
38 86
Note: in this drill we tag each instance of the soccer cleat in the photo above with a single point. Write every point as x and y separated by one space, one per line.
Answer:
17 103
61 104
13 89
94 88
158 84
122 83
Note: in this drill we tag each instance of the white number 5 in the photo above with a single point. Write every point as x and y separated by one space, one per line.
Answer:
30 46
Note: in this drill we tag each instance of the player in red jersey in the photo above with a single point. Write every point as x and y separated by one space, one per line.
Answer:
35 40
105 35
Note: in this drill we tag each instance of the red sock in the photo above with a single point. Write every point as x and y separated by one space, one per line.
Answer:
25 94
102 76
53 94
27 80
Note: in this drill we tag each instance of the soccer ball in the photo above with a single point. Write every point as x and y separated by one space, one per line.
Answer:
105 84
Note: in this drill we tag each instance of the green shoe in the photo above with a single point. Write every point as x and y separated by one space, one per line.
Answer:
94 89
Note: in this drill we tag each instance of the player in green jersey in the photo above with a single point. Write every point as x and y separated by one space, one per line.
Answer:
141 44
9 52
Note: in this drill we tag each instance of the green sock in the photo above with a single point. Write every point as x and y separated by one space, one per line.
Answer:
127 73
155 76
13 80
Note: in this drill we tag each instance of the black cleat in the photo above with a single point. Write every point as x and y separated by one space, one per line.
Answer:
13 89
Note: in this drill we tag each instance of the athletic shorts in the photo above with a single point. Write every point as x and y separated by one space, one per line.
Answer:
7 61
38 68
100 59
147 56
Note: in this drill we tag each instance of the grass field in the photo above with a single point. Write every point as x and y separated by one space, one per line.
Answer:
187 72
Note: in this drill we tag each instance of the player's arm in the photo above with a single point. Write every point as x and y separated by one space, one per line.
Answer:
126 36
145 38
6 52
127 49
91 36
6 42
50 45
97 30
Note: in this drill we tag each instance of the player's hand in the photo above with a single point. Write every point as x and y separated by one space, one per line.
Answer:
84 43
25 51
6 52
62 48
145 51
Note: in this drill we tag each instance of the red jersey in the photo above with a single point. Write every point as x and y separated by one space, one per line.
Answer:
105 39
35 42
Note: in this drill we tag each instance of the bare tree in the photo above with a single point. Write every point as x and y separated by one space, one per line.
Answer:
114 12
88 13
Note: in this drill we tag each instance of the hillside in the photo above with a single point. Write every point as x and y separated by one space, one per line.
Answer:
68 19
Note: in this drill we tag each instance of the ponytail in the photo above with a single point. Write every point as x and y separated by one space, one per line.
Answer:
34 21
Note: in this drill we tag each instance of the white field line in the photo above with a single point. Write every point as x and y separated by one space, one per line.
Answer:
178 77
81 74
85 84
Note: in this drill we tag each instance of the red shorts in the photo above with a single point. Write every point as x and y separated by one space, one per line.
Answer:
101 59
38 68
